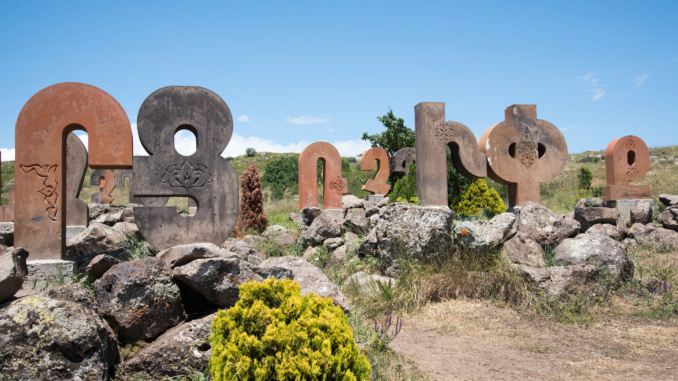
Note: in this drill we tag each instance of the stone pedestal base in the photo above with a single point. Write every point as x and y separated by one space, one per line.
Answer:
48 273
632 192
72 231
338 213
375 198
624 207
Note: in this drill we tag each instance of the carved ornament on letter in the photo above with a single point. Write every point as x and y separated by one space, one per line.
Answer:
186 176
48 172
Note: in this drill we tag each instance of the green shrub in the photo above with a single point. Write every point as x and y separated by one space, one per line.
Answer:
281 174
405 188
275 333
479 198
584 179
250 152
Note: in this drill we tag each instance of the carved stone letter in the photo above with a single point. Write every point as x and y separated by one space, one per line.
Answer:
377 186
401 159
106 186
334 185
626 159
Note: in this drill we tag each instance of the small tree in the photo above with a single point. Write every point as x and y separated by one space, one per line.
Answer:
405 188
396 136
585 176
251 214
477 198
250 152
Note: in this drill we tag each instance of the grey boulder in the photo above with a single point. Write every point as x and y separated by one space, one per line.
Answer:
13 270
544 226
602 251
180 351
56 335
589 216
483 236
280 237
182 254
113 217
129 229
642 211
97 239
522 249
95 210
612 231
242 250
325 226
333 243
668 200
99 265
139 299
557 280
653 236
310 278
309 214
356 221
669 218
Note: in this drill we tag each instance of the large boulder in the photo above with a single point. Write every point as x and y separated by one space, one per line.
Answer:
13 270
642 211
522 249
139 299
356 221
562 279
333 243
242 250
182 254
589 216
351 201
408 230
323 227
98 266
279 236
654 236
483 236
129 229
95 210
669 218
119 215
668 200
97 239
217 279
602 251
56 335
310 278
613 231
544 226
180 351
309 214
6 234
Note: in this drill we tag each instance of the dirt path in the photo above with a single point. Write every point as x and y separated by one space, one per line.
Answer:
460 340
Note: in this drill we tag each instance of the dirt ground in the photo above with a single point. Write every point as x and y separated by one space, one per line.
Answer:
462 340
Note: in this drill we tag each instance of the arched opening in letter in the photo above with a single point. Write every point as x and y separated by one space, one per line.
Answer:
185 140
631 158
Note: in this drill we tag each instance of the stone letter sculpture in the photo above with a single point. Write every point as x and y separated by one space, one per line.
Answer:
402 158
334 185
433 136
7 211
106 186
522 152
77 214
626 159
120 176
41 131
377 186
205 175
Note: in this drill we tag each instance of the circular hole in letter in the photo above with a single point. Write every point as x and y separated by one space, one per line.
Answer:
541 149
512 150
631 157
185 142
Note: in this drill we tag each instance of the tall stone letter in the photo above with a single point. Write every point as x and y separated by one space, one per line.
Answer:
626 159
41 131
377 186
106 186
401 159
433 136
334 185
7 211
522 152
205 175
77 214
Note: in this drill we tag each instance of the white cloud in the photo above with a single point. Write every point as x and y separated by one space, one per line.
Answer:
594 85
307 119
7 154
638 81
84 138
243 118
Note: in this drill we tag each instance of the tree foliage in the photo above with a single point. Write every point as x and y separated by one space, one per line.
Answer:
282 174
584 177
396 136
406 187
250 152
479 198
251 215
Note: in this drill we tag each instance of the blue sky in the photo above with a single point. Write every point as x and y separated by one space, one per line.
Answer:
297 72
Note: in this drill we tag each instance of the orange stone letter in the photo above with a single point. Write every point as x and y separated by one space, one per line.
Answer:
41 131
334 185
523 151
626 159
378 185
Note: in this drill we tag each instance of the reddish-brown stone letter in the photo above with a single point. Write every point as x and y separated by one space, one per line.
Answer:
378 185
334 185
626 159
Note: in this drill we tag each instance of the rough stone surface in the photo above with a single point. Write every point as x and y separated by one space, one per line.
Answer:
350 201
280 236
310 278
333 243
669 218
414 231
129 229
668 200
242 250
382 203
590 202
96 210
642 212
612 231
630 243
544 226
309 253
254 240
45 273
217 279
56 335
369 284
560 279
183 254
99 265
294 217
401 159
483 236
7 234
138 298
654 236
524 250
115 217
309 214
333 184
13 270
323 227
602 251
97 239
339 254
356 222
371 211
589 216
178 352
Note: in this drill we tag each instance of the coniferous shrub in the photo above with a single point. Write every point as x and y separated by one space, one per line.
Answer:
406 187
477 198
251 215
273 333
